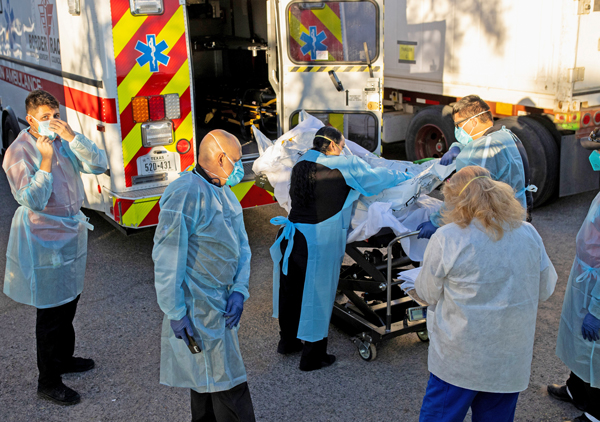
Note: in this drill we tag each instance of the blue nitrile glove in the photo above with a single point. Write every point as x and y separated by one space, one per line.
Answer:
426 230
590 328
235 307
449 157
181 327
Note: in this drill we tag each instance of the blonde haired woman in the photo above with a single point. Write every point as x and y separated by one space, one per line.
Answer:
483 274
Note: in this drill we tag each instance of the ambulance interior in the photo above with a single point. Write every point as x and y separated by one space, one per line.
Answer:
228 40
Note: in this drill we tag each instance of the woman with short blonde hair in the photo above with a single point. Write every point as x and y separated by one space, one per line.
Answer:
483 274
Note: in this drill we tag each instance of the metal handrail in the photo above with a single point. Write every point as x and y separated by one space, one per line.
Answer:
388 318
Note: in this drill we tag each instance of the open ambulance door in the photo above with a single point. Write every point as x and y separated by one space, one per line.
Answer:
331 65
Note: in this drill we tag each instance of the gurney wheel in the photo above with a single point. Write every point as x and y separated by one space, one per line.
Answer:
423 335
367 351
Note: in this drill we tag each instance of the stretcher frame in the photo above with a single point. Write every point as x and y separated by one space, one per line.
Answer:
367 321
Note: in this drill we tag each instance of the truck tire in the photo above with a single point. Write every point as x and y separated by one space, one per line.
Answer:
8 134
545 121
542 153
430 133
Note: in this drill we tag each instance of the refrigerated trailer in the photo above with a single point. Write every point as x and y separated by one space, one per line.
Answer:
147 79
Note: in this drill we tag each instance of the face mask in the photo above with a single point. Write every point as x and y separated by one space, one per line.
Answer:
462 136
44 129
595 160
237 174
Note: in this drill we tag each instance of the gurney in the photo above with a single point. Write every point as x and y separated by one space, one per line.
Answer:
370 305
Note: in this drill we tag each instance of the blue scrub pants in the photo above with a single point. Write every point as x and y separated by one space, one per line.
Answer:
444 402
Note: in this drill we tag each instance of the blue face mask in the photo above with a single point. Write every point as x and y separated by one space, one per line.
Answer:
462 136
44 129
595 160
236 175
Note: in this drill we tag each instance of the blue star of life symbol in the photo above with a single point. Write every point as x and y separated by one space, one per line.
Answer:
152 53
314 42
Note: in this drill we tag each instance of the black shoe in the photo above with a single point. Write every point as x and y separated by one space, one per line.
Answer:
78 365
286 348
327 361
581 418
59 394
559 392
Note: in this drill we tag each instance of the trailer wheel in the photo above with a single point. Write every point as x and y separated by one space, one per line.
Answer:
545 121
430 133
367 351
423 335
542 154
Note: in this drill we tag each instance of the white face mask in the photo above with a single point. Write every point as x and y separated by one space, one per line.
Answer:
44 128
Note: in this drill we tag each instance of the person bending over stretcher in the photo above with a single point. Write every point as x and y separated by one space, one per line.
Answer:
308 253
483 274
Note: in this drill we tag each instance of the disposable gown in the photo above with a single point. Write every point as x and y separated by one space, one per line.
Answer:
201 255
47 247
498 153
483 298
326 242
582 296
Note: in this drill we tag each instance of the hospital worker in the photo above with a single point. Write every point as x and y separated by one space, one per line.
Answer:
47 247
202 268
578 333
483 275
309 250
480 144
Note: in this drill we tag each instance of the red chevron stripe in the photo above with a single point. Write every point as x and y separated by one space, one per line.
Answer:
151 218
117 9
308 19
152 25
157 82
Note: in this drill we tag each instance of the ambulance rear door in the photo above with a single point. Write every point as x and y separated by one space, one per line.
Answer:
331 65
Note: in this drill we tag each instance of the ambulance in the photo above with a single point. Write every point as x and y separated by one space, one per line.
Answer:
147 79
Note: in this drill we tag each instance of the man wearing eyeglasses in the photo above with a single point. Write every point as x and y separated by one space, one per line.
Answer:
479 143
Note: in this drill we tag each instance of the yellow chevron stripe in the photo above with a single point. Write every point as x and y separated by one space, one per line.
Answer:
132 143
138 76
138 211
241 189
179 82
296 29
331 21
125 29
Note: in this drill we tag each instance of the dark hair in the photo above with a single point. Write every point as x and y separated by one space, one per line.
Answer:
321 143
304 174
472 105
39 98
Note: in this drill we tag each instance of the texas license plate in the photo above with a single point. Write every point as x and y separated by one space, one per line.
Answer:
156 163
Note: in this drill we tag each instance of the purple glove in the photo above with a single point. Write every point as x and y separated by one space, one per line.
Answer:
235 307
590 328
181 327
449 157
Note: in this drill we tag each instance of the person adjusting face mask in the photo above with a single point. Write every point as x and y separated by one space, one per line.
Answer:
44 129
202 270
579 331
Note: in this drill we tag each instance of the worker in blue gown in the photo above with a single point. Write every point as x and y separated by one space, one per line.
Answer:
578 333
202 269
47 247
309 250
479 143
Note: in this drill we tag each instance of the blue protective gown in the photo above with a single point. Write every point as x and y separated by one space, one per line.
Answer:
498 153
326 242
582 296
201 255
47 247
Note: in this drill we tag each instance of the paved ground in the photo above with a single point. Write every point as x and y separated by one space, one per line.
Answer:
118 324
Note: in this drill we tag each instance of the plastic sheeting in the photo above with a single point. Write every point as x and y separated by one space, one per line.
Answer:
402 208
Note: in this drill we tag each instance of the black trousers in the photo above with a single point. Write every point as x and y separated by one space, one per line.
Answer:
55 338
234 405
585 395
291 288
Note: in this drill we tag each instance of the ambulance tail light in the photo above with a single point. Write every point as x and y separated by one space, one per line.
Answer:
157 133
140 108
597 118
146 7
586 119
172 106
156 104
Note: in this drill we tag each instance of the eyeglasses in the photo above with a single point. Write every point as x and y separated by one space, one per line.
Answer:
457 124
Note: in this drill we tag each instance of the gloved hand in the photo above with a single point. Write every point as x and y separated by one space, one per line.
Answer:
590 328
426 230
449 157
235 307
181 327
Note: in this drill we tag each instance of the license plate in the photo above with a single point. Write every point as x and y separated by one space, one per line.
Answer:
156 163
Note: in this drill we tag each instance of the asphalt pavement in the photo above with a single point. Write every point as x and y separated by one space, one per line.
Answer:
118 325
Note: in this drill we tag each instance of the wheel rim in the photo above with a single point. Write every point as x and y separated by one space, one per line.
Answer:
364 350
430 142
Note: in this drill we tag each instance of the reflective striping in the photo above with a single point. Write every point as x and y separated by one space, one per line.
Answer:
241 189
331 20
300 69
122 31
135 212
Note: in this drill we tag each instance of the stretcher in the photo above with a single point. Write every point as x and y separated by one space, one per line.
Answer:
370 305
